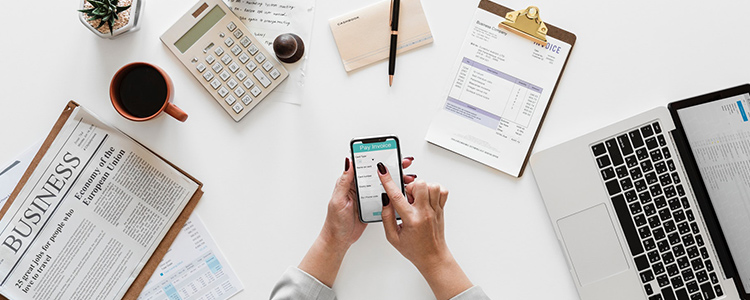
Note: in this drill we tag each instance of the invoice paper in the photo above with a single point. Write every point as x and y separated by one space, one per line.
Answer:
193 269
500 88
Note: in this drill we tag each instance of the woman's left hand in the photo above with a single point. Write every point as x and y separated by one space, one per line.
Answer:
342 226
341 229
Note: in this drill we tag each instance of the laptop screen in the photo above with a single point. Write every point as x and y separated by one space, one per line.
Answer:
718 133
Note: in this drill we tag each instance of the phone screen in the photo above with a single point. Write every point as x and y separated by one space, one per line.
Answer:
366 154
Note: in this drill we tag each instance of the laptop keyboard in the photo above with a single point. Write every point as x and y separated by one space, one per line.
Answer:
659 223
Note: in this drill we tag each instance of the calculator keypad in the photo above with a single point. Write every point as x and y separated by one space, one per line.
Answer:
237 70
215 83
237 108
244 58
234 67
231 83
252 49
262 78
274 74
245 41
226 59
248 83
223 91
230 99
255 91
246 99
236 50
224 75
239 92
267 66
251 66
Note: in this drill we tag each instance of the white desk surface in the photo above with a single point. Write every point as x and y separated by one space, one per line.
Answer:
268 178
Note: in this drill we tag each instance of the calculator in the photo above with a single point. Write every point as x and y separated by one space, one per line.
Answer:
225 57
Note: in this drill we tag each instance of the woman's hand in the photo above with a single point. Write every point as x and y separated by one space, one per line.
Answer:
342 226
421 236
341 229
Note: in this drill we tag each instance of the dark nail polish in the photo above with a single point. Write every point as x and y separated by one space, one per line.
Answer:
412 175
382 169
346 165
409 157
385 199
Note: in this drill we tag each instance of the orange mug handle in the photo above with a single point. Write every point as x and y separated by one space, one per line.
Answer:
176 112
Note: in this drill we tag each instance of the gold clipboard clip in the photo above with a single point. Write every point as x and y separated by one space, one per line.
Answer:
527 24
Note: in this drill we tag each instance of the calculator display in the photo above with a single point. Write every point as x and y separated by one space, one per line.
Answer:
199 29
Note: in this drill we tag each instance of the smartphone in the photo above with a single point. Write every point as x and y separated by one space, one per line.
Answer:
366 154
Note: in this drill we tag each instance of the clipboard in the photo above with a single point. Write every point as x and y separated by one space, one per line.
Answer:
488 133
153 262
553 31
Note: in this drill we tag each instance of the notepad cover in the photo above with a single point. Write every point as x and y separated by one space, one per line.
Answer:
363 36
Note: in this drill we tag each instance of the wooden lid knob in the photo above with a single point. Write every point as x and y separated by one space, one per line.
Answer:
288 47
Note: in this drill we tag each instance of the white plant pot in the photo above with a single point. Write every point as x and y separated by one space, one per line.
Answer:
136 7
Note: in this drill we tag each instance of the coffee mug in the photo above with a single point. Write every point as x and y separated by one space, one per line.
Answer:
141 91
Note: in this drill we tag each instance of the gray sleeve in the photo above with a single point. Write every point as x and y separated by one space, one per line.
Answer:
473 293
295 284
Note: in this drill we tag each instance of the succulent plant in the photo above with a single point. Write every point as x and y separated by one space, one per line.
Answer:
105 11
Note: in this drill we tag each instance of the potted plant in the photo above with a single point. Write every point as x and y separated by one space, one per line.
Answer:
110 18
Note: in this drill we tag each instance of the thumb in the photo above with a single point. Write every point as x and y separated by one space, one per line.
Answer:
389 221
344 183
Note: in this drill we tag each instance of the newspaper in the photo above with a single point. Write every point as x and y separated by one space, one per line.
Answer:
89 217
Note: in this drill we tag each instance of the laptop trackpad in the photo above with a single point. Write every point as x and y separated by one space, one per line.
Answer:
592 244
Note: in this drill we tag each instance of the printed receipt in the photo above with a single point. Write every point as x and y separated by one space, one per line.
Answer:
500 89
193 268
269 19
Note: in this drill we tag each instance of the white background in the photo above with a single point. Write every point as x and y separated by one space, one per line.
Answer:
268 178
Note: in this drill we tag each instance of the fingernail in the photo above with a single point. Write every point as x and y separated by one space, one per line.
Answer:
409 157
385 199
412 175
382 169
346 165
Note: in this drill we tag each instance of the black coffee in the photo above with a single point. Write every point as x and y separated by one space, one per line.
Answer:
143 91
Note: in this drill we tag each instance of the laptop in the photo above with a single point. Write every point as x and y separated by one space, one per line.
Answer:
656 206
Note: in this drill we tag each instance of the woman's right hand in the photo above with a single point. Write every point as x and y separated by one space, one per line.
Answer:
420 237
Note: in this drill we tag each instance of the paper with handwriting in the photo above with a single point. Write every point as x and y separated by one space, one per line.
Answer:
267 20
